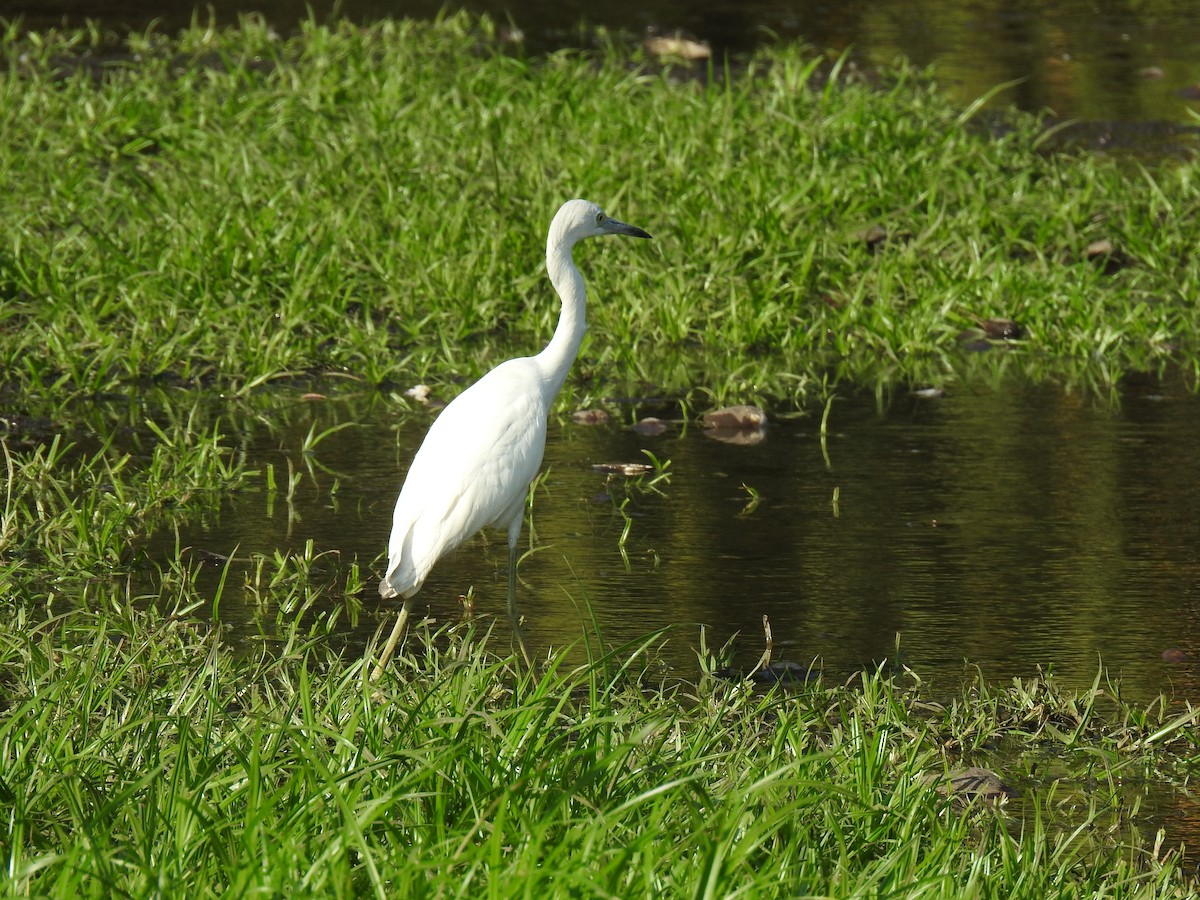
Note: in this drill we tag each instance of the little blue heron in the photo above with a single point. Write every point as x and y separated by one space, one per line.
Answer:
476 463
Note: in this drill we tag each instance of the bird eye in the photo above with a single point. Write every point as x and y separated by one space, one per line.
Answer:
599 218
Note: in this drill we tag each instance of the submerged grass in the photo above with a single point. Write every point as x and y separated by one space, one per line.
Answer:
141 756
230 206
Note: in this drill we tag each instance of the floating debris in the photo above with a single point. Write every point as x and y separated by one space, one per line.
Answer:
650 426
589 417
419 392
628 469
676 46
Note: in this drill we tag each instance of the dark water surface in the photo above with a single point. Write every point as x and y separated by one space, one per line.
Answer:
1125 64
1012 529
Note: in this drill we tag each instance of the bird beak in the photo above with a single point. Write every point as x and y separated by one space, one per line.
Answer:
615 227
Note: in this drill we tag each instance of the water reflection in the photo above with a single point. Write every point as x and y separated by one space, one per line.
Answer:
1010 529
1106 62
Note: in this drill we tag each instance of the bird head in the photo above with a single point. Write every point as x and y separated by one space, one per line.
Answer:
579 219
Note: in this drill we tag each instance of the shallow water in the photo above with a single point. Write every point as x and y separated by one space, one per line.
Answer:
1126 68
1012 529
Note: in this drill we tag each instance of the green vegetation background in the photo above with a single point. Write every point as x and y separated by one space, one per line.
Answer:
233 208
213 213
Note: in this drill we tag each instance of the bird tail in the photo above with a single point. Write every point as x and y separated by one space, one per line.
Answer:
386 591
394 583
402 579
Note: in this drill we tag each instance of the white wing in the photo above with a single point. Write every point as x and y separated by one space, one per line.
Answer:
472 470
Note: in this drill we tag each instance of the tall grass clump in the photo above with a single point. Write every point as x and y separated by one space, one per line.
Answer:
140 755
231 206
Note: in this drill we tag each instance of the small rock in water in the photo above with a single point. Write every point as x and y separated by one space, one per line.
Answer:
736 425
589 417
736 417
650 426
1175 655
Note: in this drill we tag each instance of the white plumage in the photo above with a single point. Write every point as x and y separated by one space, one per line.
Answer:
476 463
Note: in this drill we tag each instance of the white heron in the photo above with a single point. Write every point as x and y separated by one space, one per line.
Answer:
476 463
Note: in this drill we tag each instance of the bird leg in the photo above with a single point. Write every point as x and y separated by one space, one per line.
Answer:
514 618
765 660
390 647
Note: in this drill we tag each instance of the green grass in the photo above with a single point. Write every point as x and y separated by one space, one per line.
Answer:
142 756
230 207
229 210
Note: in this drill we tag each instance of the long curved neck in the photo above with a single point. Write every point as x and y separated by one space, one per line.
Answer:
555 361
